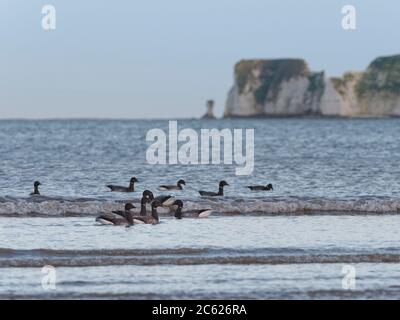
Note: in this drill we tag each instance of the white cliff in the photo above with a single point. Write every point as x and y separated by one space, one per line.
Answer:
286 87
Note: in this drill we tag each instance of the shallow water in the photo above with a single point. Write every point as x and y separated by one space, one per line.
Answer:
329 158
311 281
305 232
314 164
336 202
220 257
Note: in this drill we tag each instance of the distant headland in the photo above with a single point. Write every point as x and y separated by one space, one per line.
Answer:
287 87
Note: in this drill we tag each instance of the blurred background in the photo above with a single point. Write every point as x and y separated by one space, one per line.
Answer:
164 59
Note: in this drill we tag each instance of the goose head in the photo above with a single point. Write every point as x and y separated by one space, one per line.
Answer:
148 195
181 182
129 206
133 180
223 183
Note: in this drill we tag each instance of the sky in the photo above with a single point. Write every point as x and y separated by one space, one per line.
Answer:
163 59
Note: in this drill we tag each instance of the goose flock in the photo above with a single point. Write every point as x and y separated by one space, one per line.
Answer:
129 218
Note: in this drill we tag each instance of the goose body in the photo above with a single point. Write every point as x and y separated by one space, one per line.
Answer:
220 192
178 186
106 220
209 194
146 198
166 201
153 219
131 187
118 218
112 220
261 188
202 213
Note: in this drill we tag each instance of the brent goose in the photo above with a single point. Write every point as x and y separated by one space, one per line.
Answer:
177 187
268 187
220 192
202 213
131 187
36 189
123 218
153 219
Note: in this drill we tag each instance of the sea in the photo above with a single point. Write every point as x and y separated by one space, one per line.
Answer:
330 228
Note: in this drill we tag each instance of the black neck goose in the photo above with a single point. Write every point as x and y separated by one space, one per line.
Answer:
120 218
178 211
220 192
36 189
202 213
148 197
268 187
153 219
178 186
131 187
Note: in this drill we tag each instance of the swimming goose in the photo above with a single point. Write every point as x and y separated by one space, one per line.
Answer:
131 187
222 184
177 187
36 189
127 214
261 188
178 212
123 218
147 198
166 201
153 219
202 213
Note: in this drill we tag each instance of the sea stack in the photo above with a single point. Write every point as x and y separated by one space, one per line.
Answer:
210 110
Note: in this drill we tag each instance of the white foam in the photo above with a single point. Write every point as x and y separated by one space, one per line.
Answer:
49 207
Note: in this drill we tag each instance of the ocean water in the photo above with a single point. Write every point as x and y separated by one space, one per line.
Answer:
335 203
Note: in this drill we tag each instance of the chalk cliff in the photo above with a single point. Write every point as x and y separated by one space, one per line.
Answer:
287 87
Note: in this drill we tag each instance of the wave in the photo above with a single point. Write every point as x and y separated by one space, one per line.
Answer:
370 294
10 258
45 206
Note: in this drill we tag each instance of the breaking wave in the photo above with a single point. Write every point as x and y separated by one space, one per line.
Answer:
188 256
56 207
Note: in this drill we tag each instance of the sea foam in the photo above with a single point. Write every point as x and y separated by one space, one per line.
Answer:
58 207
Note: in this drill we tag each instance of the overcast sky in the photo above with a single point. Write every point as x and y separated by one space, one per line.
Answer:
165 58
